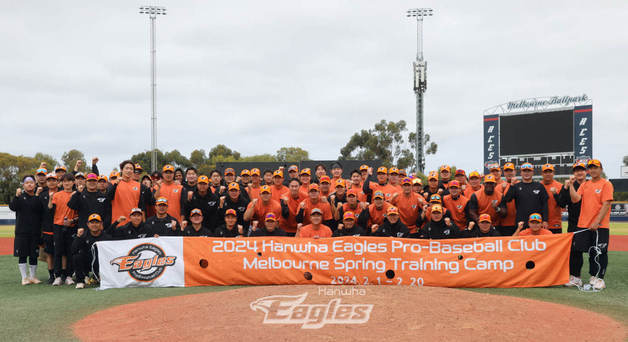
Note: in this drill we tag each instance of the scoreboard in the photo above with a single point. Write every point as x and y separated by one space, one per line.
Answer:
555 130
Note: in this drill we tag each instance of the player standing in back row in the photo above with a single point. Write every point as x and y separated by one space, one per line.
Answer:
595 197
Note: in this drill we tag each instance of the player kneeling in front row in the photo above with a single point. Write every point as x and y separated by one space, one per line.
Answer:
439 227
135 229
270 228
82 256
316 229
392 225
230 228
349 226
535 222
196 227
484 228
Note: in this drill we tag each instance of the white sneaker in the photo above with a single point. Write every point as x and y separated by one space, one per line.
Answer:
34 280
26 281
80 285
598 284
592 280
69 281
57 281
574 281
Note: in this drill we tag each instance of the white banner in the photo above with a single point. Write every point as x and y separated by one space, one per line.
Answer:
152 262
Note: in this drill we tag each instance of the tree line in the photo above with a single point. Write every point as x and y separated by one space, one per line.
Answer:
388 141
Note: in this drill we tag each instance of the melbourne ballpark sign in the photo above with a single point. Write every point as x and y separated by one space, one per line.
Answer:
564 101
196 261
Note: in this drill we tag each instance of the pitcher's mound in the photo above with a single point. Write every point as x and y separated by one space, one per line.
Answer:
323 313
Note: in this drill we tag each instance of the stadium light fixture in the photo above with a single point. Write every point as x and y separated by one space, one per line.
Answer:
419 67
153 12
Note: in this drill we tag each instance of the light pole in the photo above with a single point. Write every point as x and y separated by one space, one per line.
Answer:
420 82
153 12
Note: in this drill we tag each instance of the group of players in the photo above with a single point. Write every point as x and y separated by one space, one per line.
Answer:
67 212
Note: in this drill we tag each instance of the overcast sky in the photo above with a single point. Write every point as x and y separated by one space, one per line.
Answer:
259 75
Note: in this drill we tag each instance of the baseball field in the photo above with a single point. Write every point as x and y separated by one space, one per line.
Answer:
43 312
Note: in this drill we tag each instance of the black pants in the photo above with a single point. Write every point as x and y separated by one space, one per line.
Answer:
26 247
556 230
585 241
63 237
82 262
506 230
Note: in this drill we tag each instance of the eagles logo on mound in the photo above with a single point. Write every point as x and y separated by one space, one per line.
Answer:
145 262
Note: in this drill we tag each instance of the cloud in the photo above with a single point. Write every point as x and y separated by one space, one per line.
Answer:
258 76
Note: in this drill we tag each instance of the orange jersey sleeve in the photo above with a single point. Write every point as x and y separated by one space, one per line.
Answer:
60 200
126 198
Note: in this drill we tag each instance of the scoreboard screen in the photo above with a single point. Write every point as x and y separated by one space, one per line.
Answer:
536 133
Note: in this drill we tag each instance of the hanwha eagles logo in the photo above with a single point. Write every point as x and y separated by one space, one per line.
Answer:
145 262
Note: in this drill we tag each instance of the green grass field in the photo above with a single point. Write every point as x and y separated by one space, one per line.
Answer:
43 312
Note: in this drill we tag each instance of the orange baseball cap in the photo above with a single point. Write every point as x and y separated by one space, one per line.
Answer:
236 186
547 167
475 174
230 212
167 168
42 171
278 173
433 175
392 211
489 179
91 176
444 168
325 179
364 167
494 166
102 178
161 201
579 164
51 175
306 171
313 187
349 215
535 217
265 189
137 166
62 168
245 172
378 194
382 169
436 208
485 218
113 175
352 192
460 172
340 183
196 212
203 179
417 181
255 172
270 217
393 171
402 172
293 168
229 171
94 217
136 211
406 180
454 184
509 166
435 198
594 163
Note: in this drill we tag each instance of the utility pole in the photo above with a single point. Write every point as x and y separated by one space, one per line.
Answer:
419 67
153 12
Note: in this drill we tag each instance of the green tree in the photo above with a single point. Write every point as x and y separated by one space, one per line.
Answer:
70 158
144 159
385 141
292 154
50 161
175 158
199 158
12 169
220 152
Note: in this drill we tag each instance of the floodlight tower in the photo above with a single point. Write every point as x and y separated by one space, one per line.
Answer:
419 67
153 12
